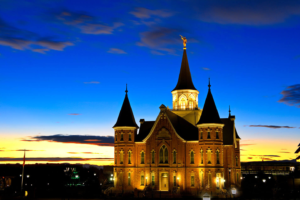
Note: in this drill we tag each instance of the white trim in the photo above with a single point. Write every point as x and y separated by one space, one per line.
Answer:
192 141
210 125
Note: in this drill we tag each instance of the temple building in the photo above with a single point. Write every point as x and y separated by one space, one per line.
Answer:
187 147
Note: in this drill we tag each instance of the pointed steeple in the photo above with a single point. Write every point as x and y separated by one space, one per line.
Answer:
210 113
185 78
229 113
126 117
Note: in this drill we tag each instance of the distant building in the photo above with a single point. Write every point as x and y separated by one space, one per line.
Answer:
185 147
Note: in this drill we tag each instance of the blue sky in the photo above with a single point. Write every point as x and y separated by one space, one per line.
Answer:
64 66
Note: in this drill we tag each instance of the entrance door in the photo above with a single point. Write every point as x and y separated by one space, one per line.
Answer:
164 182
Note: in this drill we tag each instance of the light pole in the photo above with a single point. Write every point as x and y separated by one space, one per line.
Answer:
229 177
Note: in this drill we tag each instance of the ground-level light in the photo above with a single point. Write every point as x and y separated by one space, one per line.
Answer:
255 176
269 177
233 191
206 196
264 180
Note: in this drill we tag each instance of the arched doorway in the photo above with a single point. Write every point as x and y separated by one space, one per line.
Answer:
164 181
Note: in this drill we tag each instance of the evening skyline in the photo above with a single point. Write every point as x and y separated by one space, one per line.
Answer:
65 65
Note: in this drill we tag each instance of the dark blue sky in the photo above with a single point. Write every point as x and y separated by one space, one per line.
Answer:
62 58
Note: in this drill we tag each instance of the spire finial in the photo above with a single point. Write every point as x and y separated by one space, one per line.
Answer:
126 89
184 41
229 111
209 83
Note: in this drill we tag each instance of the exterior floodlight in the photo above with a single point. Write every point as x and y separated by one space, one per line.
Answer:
177 178
233 191
111 175
255 176
269 177
28 176
241 178
264 180
206 196
95 174
20 175
292 169
111 179
47 183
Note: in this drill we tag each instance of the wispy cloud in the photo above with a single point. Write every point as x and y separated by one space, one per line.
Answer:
74 114
52 159
284 152
75 139
144 13
271 126
92 82
205 68
291 96
116 51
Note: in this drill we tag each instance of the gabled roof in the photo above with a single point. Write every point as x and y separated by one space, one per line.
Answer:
126 117
185 78
210 113
144 130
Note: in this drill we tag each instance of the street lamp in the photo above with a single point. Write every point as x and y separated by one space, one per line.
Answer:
178 181
146 180
292 170
233 191
269 177
264 180
255 176
229 177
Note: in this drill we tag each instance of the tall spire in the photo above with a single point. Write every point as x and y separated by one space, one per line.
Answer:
229 112
185 78
209 83
126 117
210 113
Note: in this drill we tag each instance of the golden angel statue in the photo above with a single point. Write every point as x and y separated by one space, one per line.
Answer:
184 41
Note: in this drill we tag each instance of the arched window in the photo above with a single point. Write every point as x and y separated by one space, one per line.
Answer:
163 155
209 151
237 177
129 157
152 157
201 151
182 102
122 139
192 179
201 135
208 134
217 135
192 157
152 179
176 106
218 156
209 180
129 137
121 157
174 157
142 178
191 104
202 179
143 157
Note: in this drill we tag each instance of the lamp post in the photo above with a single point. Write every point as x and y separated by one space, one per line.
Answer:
178 181
229 177
146 180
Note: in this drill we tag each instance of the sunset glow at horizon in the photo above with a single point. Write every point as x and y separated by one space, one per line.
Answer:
65 65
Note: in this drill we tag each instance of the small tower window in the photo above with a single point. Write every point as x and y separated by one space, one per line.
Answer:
192 180
122 139
121 156
142 180
236 161
152 179
201 151
129 137
192 158
208 135
218 156
129 179
202 179
116 157
143 158
209 156
176 106
116 138
217 135
201 135
190 105
209 180
174 180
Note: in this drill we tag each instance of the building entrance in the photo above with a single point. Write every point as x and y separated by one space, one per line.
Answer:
164 182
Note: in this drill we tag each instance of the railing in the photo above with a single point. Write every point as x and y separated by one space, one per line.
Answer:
177 109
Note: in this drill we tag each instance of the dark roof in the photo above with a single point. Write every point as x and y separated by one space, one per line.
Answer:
126 117
185 78
237 135
298 150
227 131
210 113
185 130
145 129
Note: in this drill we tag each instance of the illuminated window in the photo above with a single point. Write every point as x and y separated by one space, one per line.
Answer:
142 180
153 157
209 180
217 135
174 180
201 151
218 181
202 179
122 139
129 139
192 158
143 158
129 157
209 156
152 179
201 135
121 156
129 179
192 180
163 155
182 104
190 105
218 156
208 135
174 157
176 106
